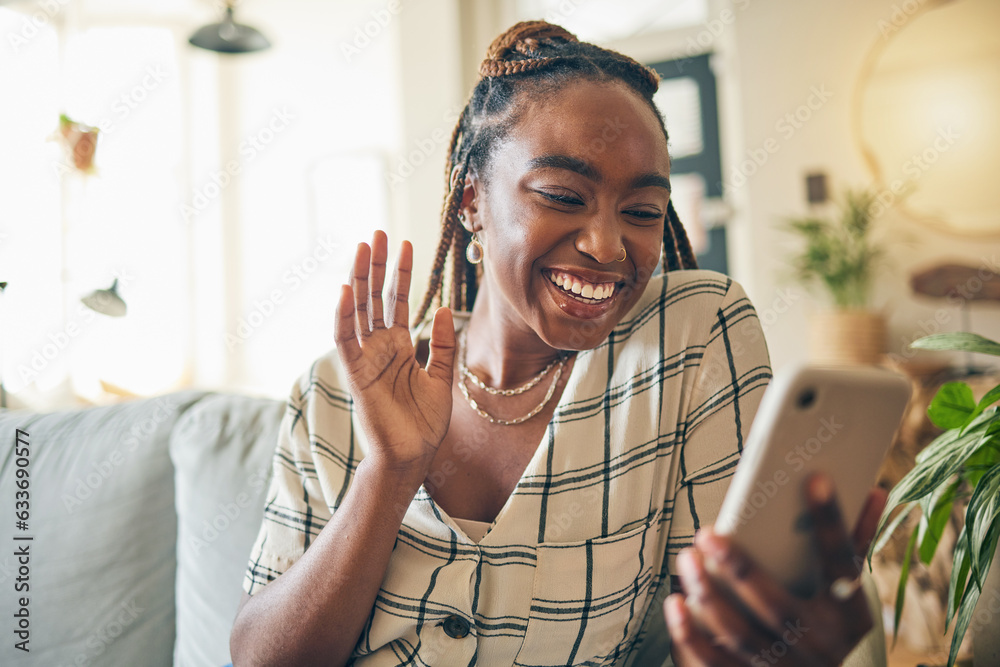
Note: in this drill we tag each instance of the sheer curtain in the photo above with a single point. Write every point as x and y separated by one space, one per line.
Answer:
227 198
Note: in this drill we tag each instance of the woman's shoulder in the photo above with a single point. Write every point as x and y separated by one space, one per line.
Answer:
689 298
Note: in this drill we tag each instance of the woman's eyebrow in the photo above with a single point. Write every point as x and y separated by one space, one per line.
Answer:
651 179
556 161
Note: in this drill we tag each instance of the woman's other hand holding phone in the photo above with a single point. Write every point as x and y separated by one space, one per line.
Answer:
732 613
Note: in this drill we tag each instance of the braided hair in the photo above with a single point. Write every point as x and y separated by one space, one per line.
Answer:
533 54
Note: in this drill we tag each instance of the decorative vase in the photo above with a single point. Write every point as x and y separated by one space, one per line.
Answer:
846 337
986 619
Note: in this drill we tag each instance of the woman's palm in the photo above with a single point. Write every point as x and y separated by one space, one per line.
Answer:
404 409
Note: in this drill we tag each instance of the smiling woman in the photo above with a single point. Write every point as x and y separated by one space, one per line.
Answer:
527 504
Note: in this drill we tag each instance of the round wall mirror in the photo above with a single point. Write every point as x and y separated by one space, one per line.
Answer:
927 113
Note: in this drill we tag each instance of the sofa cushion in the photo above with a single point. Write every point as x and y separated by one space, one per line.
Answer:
102 557
222 450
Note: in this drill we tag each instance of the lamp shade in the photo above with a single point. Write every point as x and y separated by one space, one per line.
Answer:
106 301
229 36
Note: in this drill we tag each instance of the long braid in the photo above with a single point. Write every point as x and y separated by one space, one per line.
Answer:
450 222
530 53
681 242
457 276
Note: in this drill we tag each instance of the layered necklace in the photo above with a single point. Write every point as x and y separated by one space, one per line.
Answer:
559 364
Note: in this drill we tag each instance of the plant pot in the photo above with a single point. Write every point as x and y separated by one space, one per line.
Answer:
846 337
986 619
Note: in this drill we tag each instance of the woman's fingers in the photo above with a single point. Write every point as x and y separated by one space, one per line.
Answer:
359 283
690 646
346 336
840 564
441 360
716 612
376 279
767 599
398 314
836 552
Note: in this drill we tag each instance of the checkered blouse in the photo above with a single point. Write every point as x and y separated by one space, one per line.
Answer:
574 570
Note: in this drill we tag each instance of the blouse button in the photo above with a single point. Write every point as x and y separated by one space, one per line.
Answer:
455 626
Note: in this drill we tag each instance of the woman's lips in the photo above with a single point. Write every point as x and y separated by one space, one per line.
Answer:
574 303
577 286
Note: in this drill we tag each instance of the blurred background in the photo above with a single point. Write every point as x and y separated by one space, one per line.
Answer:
221 195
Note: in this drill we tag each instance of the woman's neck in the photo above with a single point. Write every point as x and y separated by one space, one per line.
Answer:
503 353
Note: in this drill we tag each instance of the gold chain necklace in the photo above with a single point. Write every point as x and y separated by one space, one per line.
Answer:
466 373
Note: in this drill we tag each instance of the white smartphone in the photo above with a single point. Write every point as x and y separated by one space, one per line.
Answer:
840 421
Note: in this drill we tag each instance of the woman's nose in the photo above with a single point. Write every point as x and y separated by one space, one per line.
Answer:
601 239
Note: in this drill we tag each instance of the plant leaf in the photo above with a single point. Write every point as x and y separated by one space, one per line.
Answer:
959 576
991 397
987 456
936 519
884 533
982 515
952 406
969 342
904 574
967 606
971 595
941 459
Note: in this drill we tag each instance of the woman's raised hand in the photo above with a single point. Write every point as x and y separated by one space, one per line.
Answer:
733 614
404 409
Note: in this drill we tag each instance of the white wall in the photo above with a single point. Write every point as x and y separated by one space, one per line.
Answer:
778 52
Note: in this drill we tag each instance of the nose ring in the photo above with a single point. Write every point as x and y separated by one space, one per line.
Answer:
624 255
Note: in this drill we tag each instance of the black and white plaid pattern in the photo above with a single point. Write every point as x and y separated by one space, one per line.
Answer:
637 456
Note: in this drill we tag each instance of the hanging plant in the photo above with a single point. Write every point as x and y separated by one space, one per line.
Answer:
80 143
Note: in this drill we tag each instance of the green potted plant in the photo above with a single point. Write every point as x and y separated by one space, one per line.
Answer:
961 466
841 258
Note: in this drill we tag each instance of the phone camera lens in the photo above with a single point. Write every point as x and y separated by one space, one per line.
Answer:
807 398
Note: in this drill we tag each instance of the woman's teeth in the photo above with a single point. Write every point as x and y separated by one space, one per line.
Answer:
587 292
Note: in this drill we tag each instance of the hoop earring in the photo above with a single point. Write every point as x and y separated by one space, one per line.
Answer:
624 255
474 251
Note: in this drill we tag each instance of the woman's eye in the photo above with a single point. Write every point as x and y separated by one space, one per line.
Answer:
568 200
644 215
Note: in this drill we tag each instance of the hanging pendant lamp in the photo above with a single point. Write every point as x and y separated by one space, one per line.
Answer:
229 36
106 301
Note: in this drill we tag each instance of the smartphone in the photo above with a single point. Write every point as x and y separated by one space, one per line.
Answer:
837 420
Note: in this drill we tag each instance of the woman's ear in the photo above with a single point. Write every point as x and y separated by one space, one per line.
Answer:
468 210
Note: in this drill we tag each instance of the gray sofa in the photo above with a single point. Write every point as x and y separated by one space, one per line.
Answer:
142 516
